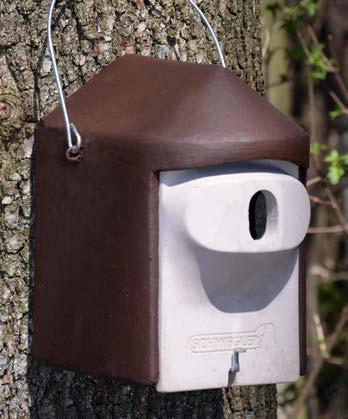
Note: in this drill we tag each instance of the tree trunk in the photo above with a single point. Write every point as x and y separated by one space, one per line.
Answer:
89 34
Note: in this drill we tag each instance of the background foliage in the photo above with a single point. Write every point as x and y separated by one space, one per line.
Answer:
305 53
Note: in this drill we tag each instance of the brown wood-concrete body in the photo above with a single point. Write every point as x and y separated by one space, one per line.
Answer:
96 221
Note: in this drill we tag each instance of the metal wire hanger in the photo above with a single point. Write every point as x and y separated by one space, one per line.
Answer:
71 130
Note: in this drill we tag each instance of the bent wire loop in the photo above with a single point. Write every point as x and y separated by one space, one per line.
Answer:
71 130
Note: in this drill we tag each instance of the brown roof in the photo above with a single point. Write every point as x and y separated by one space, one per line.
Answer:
180 115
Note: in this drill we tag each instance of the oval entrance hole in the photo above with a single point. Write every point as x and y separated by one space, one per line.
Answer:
257 215
263 214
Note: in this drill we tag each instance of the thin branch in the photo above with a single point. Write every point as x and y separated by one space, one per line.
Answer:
320 201
316 42
337 208
343 228
321 271
311 98
337 229
314 181
334 360
303 45
321 336
307 389
338 102
326 275
341 84
337 75
267 42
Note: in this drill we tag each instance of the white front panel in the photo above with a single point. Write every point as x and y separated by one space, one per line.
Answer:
221 290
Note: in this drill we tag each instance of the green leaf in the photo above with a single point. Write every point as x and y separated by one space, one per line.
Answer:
291 11
318 74
335 173
319 69
335 113
338 163
332 157
291 17
318 148
310 7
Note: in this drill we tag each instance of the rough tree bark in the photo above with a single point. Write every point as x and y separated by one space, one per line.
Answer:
89 34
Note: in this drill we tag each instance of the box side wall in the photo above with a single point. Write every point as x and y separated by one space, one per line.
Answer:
95 303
